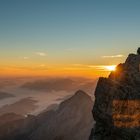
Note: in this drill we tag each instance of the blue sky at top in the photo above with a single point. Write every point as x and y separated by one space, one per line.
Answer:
79 31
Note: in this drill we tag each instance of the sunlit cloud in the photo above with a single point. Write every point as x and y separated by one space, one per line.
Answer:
104 67
95 67
25 58
113 56
41 53
98 67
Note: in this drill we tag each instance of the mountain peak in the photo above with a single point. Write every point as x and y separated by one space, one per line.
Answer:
133 61
128 72
80 93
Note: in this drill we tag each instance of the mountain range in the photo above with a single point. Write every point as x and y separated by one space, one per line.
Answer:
72 120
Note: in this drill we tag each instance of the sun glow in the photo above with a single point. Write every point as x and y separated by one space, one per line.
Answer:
110 68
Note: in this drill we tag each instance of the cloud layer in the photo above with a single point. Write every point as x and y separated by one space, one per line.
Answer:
113 56
41 53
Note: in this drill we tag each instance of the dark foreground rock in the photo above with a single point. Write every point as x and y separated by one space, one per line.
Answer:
71 121
117 103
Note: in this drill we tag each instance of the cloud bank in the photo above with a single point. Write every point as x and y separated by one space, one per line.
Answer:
113 56
41 53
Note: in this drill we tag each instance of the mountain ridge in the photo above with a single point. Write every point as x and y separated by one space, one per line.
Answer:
71 120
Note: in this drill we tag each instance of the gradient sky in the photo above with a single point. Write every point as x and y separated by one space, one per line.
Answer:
55 36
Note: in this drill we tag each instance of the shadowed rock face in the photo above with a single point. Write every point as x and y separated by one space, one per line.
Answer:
117 103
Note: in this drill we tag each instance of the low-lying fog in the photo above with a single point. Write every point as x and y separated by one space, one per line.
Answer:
33 95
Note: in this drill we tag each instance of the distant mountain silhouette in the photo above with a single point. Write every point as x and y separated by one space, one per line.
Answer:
117 103
4 95
22 107
71 121
61 84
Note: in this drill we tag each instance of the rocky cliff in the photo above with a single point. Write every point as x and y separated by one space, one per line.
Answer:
117 103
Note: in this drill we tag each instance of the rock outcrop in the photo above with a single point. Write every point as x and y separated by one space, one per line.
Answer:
117 103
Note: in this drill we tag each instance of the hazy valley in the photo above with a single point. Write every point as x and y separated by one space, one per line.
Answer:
33 95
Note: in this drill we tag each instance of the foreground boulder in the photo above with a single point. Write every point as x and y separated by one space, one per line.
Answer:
117 103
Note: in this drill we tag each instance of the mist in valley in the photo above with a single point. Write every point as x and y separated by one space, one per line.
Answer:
33 95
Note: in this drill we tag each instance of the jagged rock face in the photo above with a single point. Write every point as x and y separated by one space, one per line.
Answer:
117 103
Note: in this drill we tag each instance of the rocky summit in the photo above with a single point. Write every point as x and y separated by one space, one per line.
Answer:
117 103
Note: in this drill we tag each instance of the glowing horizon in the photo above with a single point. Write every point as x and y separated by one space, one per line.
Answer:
68 37
77 70
111 68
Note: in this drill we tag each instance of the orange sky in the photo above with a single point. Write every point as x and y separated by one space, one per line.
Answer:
67 38
90 71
